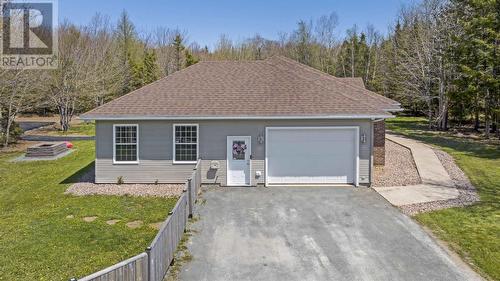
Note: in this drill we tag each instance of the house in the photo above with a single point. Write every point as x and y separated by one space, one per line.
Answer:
272 122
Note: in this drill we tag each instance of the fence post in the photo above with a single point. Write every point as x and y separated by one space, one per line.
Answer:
190 197
150 263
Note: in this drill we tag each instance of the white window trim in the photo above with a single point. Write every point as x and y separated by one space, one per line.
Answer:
197 144
114 144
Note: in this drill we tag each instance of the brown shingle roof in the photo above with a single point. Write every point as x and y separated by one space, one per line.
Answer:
276 87
353 81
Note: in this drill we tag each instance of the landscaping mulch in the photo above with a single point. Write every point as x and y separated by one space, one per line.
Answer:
399 168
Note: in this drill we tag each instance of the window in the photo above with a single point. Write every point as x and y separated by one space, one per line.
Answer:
239 150
185 143
125 144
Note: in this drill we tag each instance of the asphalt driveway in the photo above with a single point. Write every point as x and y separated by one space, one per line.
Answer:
311 233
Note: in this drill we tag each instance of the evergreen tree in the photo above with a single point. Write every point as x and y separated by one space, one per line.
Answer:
477 54
151 70
190 59
126 37
178 45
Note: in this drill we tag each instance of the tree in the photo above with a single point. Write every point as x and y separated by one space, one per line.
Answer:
325 34
477 54
151 71
17 94
190 59
178 45
130 52
303 41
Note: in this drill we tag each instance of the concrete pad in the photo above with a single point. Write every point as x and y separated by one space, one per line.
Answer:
423 193
304 233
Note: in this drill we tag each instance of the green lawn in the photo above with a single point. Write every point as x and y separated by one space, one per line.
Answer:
474 231
38 242
83 129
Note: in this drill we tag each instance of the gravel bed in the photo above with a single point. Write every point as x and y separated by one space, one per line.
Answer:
467 192
86 186
399 168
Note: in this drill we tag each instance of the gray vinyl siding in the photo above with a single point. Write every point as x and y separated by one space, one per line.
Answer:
156 149
155 155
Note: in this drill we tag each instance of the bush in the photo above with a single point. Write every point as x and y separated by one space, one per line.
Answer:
15 132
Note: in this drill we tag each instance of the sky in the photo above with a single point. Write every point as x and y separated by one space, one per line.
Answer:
205 20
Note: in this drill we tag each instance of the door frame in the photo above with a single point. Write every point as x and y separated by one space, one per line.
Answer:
356 148
249 150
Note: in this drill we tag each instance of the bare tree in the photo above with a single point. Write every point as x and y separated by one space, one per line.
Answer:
17 94
325 34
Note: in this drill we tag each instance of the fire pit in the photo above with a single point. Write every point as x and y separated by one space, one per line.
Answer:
46 149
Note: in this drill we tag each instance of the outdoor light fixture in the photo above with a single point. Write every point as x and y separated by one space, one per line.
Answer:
260 138
363 138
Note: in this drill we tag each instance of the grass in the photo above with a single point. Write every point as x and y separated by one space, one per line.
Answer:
474 231
81 129
38 242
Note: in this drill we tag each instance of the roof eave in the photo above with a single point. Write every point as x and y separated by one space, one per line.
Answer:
298 117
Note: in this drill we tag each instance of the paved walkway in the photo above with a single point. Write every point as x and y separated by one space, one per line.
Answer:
436 183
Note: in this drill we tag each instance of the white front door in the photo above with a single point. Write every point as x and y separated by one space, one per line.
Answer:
239 150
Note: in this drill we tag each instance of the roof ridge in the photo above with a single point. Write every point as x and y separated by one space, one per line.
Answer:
231 61
331 77
164 78
287 60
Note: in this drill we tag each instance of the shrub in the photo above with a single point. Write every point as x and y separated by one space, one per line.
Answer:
119 180
15 132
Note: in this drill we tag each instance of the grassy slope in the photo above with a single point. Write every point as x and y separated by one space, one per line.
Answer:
38 242
474 232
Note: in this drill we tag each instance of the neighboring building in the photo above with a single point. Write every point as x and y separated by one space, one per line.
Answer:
273 122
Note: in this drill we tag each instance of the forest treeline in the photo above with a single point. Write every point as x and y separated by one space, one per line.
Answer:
440 59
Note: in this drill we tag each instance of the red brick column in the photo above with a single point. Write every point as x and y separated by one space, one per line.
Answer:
379 143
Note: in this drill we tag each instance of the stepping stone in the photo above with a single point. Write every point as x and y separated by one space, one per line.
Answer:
89 219
70 217
156 225
112 222
134 224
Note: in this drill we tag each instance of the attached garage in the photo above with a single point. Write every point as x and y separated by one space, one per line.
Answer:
312 155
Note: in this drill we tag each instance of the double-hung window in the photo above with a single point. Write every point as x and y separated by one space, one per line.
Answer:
126 144
185 143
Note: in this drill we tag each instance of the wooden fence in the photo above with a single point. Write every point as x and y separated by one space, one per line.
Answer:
152 265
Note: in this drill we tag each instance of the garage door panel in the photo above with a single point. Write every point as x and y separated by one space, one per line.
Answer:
297 155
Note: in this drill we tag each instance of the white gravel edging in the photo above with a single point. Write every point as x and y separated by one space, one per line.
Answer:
399 168
467 192
156 190
86 186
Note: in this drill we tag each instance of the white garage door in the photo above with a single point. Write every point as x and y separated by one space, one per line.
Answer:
311 155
